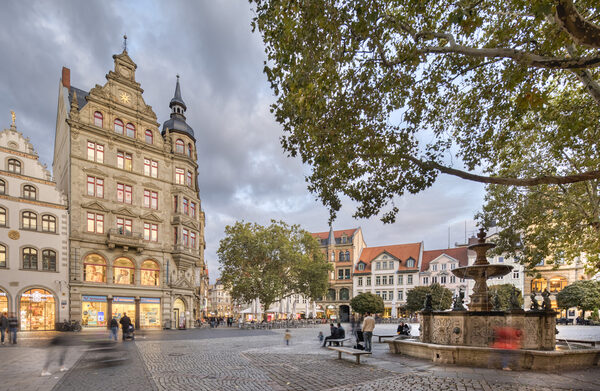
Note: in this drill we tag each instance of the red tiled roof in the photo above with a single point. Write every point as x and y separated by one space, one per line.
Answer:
336 234
458 253
400 251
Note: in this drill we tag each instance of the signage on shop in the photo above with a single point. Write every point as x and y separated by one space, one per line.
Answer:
36 296
152 300
123 300
100 316
2 293
93 298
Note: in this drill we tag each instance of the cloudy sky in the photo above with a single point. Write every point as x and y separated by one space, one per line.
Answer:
244 173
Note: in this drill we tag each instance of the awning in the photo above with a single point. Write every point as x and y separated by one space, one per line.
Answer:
247 311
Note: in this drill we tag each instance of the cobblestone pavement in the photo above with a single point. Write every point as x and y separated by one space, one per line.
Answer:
233 359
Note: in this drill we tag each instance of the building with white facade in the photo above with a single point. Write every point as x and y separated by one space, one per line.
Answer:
437 266
390 272
33 237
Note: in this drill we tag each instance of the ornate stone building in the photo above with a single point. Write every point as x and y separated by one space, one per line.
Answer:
137 226
33 237
437 266
342 248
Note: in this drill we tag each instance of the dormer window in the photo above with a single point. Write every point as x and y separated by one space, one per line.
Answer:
410 263
361 266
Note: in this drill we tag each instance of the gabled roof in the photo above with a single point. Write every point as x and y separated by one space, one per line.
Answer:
336 234
458 253
81 95
402 252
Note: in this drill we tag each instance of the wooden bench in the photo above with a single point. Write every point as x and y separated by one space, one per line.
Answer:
355 352
340 340
384 336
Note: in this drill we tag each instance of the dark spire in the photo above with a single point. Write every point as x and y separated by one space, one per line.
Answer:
177 99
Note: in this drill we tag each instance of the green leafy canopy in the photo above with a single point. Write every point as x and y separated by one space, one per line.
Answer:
441 297
271 262
367 302
381 96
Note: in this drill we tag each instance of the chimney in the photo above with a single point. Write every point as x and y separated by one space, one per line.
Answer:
66 77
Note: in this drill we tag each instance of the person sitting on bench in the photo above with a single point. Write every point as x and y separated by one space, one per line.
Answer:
335 334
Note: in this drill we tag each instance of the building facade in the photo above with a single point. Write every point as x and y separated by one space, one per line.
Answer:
33 237
437 267
389 272
136 221
219 301
342 249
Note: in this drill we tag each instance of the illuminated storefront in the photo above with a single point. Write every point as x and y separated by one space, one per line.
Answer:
37 310
3 302
150 312
122 305
94 311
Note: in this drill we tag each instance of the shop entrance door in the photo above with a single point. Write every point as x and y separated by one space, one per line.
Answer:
175 318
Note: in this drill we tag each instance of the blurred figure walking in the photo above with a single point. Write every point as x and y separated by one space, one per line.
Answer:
114 329
3 325
58 346
13 326
507 339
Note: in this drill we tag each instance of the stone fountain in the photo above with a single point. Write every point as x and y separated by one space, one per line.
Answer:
462 336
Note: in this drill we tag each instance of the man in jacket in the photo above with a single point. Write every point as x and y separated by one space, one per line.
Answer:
3 325
125 322
367 327
334 335
13 326
114 328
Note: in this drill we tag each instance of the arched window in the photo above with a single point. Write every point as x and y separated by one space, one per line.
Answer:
2 217
2 187
94 268
48 223
179 146
539 285
557 284
341 256
130 130
410 262
149 137
2 255
98 119
118 126
28 220
347 255
49 260
344 294
30 258
29 192
150 273
14 166
123 271
331 294
37 309
189 150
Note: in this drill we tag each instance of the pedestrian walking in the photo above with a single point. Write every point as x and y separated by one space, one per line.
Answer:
368 326
287 336
125 323
321 337
3 325
59 345
114 329
13 326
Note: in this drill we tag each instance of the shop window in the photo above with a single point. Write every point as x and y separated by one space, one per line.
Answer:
179 146
123 271
95 152
2 257
49 260
130 130
150 313
98 119
29 220
119 126
29 192
37 309
2 217
539 285
30 258
150 273
2 187
48 223
344 294
94 268
124 160
557 284
149 137
14 166
95 223
122 306
94 311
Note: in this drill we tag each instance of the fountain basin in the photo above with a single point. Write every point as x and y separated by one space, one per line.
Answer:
484 357
474 272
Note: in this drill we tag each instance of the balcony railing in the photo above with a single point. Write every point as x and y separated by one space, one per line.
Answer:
126 239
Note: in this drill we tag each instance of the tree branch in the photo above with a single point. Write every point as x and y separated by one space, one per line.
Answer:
541 180
582 31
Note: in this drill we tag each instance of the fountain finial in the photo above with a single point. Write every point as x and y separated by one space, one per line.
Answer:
481 235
